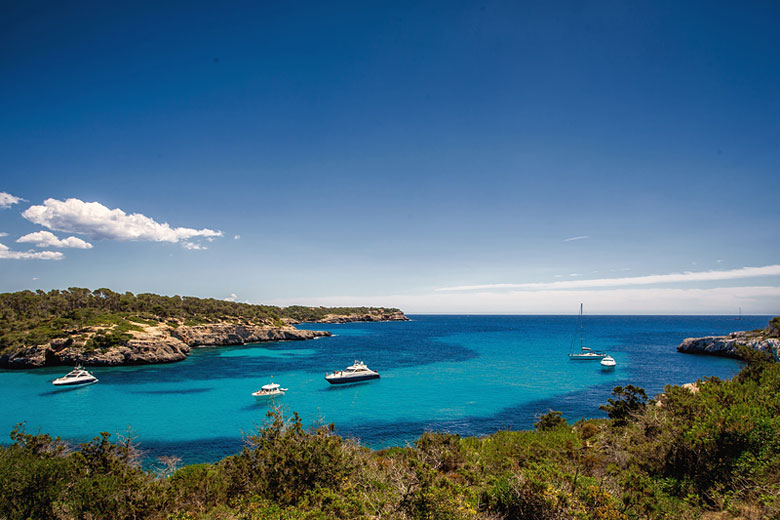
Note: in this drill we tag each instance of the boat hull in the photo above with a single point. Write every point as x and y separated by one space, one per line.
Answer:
75 383
266 397
345 380
580 357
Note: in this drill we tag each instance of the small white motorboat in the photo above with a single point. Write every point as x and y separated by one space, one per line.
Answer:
608 362
76 377
352 374
269 391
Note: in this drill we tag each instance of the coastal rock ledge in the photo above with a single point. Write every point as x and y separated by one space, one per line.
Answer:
368 316
766 340
154 345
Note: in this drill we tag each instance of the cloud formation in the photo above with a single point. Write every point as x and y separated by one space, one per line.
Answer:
576 238
7 200
47 239
701 276
7 254
231 298
99 222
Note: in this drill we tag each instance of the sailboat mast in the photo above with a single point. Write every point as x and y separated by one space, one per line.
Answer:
580 326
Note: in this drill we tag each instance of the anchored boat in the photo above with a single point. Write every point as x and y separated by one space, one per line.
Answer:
352 374
608 362
269 391
76 377
585 353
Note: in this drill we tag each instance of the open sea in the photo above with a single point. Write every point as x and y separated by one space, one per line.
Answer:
470 375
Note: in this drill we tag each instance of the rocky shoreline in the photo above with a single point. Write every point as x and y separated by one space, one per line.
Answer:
384 316
153 345
766 340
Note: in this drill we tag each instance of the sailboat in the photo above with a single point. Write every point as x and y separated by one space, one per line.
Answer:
585 353
740 314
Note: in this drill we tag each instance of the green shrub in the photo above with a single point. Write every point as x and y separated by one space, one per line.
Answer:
550 421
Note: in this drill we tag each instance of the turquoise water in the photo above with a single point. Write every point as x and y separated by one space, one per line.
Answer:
465 374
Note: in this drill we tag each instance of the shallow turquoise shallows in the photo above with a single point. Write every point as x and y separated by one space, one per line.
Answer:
470 375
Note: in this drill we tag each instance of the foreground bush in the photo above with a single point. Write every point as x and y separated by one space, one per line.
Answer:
710 452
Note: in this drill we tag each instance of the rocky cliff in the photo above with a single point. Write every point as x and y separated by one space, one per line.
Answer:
374 316
767 340
159 344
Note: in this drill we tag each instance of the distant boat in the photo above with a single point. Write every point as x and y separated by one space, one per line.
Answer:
739 317
608 362
352 374
76 377
584 353
269 391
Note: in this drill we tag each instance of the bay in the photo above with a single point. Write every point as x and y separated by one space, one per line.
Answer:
470 375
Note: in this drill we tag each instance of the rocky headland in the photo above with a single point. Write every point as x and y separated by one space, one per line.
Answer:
380 315
155 344
102 327
764 340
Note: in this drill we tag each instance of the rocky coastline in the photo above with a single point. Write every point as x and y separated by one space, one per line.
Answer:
369 316
764 340
154 345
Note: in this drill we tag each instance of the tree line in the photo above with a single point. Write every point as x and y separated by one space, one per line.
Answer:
35 317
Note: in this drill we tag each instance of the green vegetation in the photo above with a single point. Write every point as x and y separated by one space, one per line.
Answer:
299 313
34 318
710 453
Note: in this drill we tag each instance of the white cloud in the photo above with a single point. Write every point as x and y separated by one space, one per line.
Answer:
231 298
7 200
47 239
7 254
3 234
701 276
192 246
99 222
576 238
236 237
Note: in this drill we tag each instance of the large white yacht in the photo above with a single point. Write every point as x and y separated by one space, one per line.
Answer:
76 377
269 391
352 374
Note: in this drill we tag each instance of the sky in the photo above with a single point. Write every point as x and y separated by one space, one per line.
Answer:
441 157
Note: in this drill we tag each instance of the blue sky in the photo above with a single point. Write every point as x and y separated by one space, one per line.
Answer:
438 157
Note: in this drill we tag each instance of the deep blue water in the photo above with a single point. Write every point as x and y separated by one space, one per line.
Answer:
470 375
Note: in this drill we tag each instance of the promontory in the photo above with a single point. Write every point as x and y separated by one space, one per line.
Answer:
764 340
107 328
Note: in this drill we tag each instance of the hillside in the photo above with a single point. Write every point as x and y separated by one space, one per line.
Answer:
710 453
103 327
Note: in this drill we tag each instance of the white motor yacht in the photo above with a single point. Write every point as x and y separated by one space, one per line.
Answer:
608 362
269 391
352 374
76 377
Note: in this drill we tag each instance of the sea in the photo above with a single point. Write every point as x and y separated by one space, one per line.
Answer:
469 375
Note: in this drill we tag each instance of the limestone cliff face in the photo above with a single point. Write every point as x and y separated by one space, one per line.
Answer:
376 316
240 334
154 345
727 345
